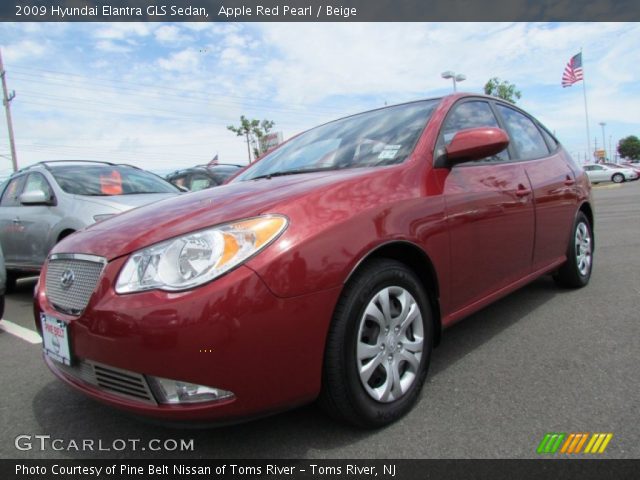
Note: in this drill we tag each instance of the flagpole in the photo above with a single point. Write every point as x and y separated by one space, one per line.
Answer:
586 113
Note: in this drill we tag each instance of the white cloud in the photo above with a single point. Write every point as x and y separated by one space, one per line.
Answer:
24 49
184 61
123 30
169 34
112 47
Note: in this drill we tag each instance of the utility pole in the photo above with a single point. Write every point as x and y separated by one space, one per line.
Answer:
6 101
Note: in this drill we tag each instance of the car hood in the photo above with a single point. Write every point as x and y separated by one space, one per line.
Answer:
122 203
172 217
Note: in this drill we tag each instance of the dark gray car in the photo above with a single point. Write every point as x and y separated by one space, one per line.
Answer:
43 203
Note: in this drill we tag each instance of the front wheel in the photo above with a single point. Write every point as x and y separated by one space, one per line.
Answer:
576 271
379 346
617 178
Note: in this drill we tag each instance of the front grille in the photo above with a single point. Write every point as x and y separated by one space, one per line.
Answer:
119 382
82 273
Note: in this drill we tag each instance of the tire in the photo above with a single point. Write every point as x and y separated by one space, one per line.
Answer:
362 335
576 271
617 178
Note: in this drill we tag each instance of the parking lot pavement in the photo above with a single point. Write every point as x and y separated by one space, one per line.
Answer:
541 360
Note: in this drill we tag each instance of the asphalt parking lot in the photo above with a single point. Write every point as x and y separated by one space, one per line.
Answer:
541 360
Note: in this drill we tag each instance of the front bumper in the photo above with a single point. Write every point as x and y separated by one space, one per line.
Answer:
232 333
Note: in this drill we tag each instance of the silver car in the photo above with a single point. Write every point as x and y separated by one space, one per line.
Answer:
43 203
598 172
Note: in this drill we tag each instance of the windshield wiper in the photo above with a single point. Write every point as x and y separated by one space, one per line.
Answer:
292 172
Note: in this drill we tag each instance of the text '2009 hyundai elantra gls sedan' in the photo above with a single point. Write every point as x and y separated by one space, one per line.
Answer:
328 269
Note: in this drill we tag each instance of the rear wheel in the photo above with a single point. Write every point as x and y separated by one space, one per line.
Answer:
379 346
576 271
617 178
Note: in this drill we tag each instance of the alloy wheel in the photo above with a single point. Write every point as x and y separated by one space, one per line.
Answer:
390 344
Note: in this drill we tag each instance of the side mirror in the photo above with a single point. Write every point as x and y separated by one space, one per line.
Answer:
182 188
35 197
476 143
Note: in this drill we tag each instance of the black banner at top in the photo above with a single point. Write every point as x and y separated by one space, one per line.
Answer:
317 10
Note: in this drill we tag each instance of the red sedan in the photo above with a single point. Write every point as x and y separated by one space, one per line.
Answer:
328 269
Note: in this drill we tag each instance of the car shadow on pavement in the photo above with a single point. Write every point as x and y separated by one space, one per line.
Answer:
300 433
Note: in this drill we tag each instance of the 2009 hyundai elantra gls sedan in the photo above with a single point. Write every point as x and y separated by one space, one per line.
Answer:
326 270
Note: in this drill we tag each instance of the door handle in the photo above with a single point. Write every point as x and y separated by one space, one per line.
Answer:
522 191
16 220
569 181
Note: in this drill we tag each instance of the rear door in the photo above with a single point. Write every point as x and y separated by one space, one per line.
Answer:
552 181
489 206
598 173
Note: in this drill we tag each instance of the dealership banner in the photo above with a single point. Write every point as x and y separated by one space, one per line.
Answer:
317 10
316 469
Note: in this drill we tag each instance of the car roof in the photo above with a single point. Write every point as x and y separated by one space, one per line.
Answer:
46 164
221 166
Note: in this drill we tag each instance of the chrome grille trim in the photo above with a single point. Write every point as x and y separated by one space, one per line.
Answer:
123 383
86 269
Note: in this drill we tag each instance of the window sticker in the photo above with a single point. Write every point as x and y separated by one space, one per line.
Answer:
389 152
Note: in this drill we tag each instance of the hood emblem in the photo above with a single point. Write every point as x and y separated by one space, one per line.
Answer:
67 278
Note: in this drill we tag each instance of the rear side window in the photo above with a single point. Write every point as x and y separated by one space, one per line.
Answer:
472 114
551 142
11 193
525 136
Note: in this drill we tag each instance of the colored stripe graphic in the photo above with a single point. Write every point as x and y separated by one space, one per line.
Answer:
551 442
598 442
572 443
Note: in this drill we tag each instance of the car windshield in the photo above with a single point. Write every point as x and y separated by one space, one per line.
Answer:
381 137
106 180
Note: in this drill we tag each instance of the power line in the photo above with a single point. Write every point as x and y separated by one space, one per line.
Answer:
139 86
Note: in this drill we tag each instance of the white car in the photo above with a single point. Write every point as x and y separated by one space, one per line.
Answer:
606 173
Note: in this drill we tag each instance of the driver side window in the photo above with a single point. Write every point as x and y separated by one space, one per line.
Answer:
471 114
11 193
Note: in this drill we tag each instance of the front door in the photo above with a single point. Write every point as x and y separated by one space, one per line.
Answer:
490 213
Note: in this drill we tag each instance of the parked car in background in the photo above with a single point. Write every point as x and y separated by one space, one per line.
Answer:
601 172
633 166
43 203
327 269
203 176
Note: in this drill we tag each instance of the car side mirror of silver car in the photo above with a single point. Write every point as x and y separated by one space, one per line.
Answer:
35 197
475 144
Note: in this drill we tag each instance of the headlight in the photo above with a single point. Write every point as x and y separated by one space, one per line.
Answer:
190 260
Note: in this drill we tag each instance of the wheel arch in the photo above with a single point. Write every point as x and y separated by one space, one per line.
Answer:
417 260
64 233
588 211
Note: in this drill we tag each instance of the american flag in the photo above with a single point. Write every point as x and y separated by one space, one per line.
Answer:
573 71
214 161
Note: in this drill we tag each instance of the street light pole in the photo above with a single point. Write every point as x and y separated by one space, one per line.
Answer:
455 78
6 101
604 144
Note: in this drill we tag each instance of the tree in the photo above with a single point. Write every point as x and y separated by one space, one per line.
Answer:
629 147
253 130
502 89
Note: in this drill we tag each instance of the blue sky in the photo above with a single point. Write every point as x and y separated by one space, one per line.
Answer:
160 96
